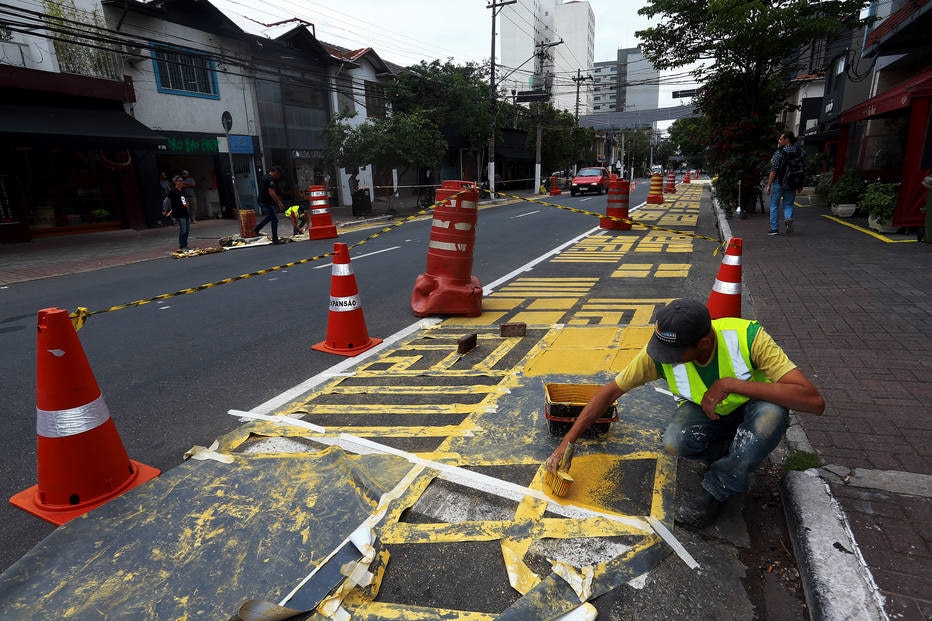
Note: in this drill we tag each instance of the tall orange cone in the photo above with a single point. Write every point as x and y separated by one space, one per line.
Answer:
320 225
448 287
686 178
82 463
655 193
670 187
617 206
725 299
346 325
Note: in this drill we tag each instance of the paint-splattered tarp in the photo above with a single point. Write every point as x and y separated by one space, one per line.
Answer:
199 540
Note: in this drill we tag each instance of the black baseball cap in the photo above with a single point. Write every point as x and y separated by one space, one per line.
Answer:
679 324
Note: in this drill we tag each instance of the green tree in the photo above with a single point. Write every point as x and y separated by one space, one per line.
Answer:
690 138
402 141
453 96
748 48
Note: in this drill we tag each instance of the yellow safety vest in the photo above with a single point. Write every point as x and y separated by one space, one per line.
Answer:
733 352
292 212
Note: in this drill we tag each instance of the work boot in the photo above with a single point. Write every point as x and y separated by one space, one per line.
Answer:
789 226
699 511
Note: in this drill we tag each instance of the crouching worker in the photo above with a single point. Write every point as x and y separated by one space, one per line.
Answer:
734 387
298 217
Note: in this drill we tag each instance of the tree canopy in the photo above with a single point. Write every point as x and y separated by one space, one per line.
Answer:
748 50
401 140
453 96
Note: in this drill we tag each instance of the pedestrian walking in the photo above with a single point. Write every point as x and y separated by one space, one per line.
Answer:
269 201
179 211
786 177
734 387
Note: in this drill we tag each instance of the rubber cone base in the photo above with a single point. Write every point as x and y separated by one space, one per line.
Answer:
439 295
28 499
322 232
349 350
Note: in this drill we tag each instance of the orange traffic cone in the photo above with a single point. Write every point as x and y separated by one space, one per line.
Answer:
82 463
321 225
725 299
686 178
670 187
618 198
655 193
448 287
346 325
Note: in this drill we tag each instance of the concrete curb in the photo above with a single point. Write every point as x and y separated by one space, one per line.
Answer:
836 580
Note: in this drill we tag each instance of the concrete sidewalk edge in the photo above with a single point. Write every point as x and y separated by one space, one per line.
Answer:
836 580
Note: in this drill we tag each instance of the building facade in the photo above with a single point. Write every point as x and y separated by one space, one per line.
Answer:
100 97
630 82
549 45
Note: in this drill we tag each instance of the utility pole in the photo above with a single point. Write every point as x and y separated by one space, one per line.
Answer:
541 57
579 79
496 6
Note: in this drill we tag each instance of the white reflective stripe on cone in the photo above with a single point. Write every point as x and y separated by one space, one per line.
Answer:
730 259
342 305
342 269
451 247
71 422
728 288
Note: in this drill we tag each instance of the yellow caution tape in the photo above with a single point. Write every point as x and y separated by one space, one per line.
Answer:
80 316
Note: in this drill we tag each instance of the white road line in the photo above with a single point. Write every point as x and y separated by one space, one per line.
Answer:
361 256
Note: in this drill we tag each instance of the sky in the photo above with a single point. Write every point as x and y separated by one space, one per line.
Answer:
407 31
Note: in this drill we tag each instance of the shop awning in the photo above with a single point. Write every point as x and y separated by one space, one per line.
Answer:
896 98
95 126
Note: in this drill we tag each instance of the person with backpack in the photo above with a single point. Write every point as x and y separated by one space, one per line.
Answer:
787 174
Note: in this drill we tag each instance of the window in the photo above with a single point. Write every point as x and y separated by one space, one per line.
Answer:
375 100
345 101
185 73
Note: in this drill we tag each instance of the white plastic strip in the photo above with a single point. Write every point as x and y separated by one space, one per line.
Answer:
580 582
71 422
672 541
366 526
454 474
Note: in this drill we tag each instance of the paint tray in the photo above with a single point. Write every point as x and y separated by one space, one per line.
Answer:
565 402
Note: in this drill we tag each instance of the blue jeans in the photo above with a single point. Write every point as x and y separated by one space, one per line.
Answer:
735 444
270 216
184 227
778 195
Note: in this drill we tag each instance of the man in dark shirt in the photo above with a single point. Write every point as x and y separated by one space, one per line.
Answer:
269 201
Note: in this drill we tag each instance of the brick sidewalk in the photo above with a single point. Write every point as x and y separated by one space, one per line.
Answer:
855 313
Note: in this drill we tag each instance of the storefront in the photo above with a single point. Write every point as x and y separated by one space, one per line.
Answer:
207 158
70 170
890 137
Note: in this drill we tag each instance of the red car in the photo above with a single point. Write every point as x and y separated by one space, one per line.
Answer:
590 179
